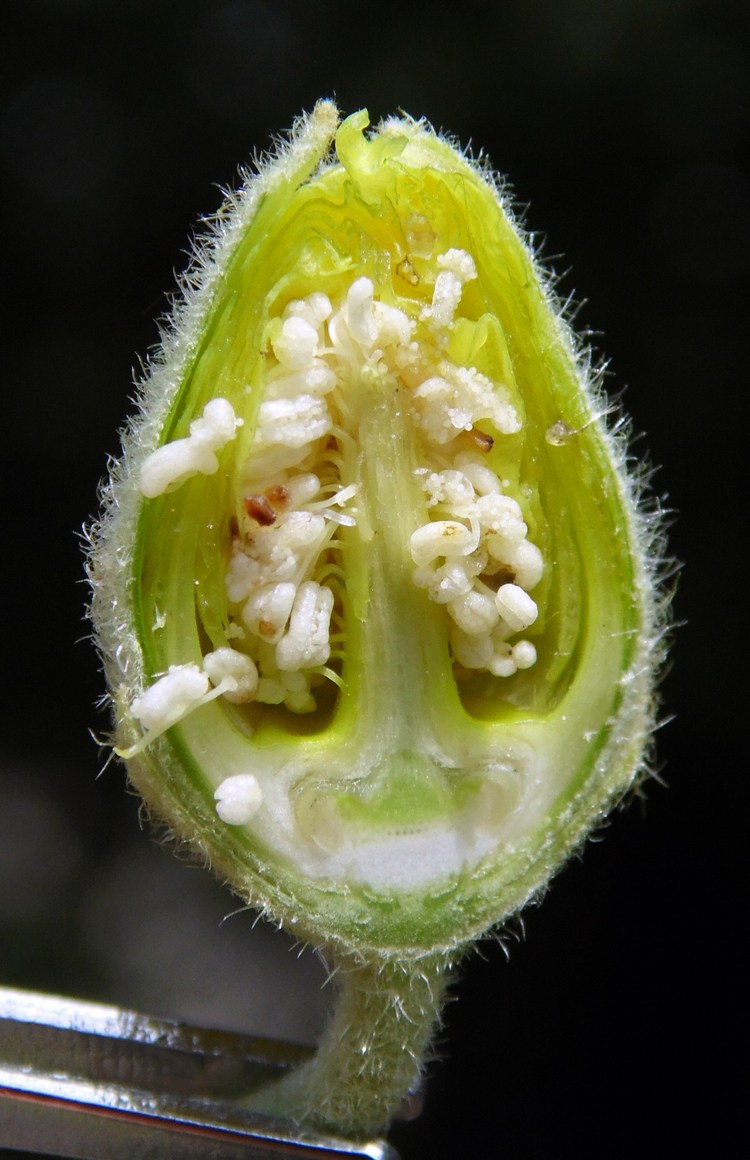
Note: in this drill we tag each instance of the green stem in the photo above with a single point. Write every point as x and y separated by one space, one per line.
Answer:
370 1056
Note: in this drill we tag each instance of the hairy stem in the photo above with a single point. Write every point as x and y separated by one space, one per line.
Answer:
370 1056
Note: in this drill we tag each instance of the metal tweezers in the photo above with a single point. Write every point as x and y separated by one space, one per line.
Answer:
94 1082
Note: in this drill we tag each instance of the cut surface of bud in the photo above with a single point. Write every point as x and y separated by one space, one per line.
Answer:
377 601
377 645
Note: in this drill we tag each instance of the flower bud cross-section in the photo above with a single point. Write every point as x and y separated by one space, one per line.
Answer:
372 587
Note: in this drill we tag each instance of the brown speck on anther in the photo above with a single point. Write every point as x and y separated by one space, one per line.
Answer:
476 440
234 528
278 495
265 628
260 510
481 439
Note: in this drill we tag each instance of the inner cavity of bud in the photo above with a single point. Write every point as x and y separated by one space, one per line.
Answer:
471 554
287 565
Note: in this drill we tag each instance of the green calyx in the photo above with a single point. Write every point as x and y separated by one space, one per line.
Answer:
375 599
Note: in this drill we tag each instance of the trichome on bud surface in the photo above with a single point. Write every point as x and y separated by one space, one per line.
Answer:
375 598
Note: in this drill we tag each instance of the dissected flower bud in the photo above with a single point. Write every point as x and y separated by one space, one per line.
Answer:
327 668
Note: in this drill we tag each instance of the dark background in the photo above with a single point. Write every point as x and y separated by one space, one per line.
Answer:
613 1030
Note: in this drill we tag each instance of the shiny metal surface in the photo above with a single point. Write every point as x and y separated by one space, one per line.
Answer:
86 1080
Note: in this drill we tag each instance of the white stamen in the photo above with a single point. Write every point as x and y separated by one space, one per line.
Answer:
452 488
501 515
457 398
306 643
359 313
297 530
276 553
302 488
516 607
476 613
315 379
482 477
238 799
473 652
245 572
227 665
441 538
293 422
314 309
170 698
445 299
296 344
460 263
171 465
524 654
502 663
454 579
527 564
457 268
267 610
392 326
241 574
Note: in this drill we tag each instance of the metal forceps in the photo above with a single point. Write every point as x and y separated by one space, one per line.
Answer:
94 1082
